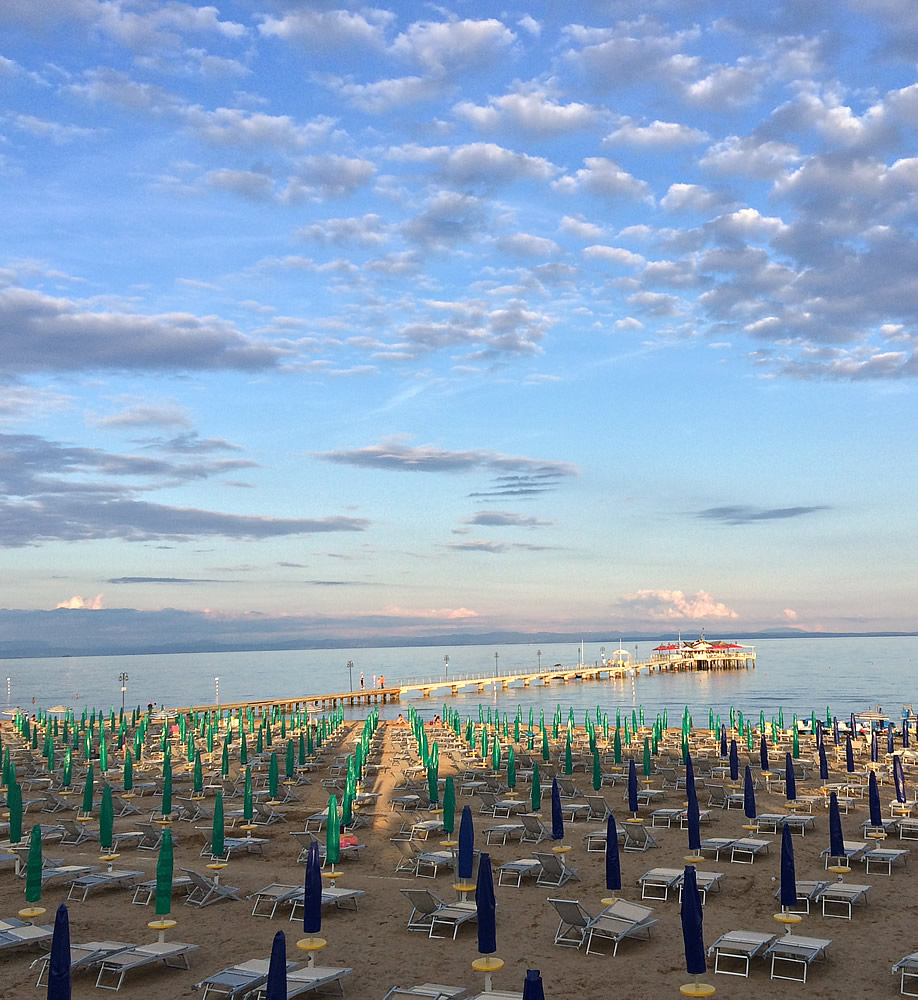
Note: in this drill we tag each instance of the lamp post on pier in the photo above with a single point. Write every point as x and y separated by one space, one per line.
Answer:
350 674
123 679
539 655
446 666
496 668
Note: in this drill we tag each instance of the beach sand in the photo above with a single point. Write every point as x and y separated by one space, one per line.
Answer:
375 942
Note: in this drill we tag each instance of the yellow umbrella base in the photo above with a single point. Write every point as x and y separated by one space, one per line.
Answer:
31 912
788 918
697 990
487 963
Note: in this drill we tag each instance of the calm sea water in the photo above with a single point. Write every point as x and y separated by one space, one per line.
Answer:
796 674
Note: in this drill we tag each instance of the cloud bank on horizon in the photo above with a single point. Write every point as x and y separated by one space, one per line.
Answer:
377 317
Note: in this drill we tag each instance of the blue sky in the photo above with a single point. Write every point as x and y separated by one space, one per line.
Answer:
411 318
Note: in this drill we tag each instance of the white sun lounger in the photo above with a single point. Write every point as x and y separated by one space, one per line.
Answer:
27 934
739 946
272 895
503 831
145 891
807 892
82 956
842 895
206 891
656 883
714 845
429 991
745 850
430 912
306 979
621 920
114 968
908 967
796 951
237 980
513 872
554 871
341 899
118 878
883 859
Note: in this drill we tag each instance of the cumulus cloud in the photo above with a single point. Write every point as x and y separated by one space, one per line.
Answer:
478 163
604 178
673 605
442 48
530 108
323 31
78 603
655 135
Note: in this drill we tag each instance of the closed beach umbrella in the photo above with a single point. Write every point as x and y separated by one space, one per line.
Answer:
723 742
276 986
128 771
433 784
647 766
14 805
272 776
613 863
289 762
532 985
164 875
197 781
632 788
312 899
466 845
899 779
224 758
692 814
535 796
788 870
88 791
511 769
449 806
874 748
734 761
748 794
33 867
568 758
795 741
485 906
823 764
217 844
557 820
59 959
597 772
790 779
890 739
836 837
873 800
106 819
167 787
692 924
617 746
763 752
247 811
333 833
849 756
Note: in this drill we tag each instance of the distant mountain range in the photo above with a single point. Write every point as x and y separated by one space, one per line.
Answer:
123 632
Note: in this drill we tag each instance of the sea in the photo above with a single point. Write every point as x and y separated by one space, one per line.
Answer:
843 675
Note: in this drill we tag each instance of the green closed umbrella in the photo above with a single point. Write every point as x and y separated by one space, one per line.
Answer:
198 779
796 742
333 833
597 772
535 796
14 804
34 866
103 756
568 758
449 807
167 788
511 769
247 811
88 791
128 771
433 784
545 753
647 764
347 804
272 776
67 775
217 845
106 819
164 876
290 763
224 758
243 748
617 745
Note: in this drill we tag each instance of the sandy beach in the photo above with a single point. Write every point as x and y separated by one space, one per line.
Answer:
375 942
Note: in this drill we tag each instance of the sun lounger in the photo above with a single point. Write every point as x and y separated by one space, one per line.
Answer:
76 833
27 934
113 969
554 871
739 946
842 895
770 822
854 851
574 922
807 892
637 837
534 831
194 809
272 895
206 890
429 991
745 850
424 828
796 951
64 874
306 979
265 814
429 912
621 920
705 881
117 878
122 807
503 830
55 802
883 859
908 967
513 872
236 981
82 956
656 883
664 817
144 891
339 898
421 864
704 816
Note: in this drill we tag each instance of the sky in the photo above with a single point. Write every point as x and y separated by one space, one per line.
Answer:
414 318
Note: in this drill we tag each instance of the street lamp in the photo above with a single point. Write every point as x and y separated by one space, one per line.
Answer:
350 674
446 666
602 655
217 690
539 655
496 668
123 678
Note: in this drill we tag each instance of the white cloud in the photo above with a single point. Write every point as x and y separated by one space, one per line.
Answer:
369 230
58 133
529 109
236 127
478 162
727 86
583 230
381 96
446 47
530 24
656 135
527 245
78 603
604 177
246 183
614 255
328 30
318 178
674 605
695 199
749 157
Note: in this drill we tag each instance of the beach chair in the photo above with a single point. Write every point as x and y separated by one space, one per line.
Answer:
843 896
120 879
705 881
429 991
621 920
599 808
717 796
122 807
423 864
236 981
513 872
307 837
24 935
807 892
739 946
265 814
271 895
745 850
854 851
145 891
555 871
63 874
429 912
193 809
574 811
205 890
113 969
656 883
769 822
308 979
503 830
152 837
792 950
637 837
883 859
664 817
340 899
908 968
534 830
76 833
574 922
56 803
82 957
125 837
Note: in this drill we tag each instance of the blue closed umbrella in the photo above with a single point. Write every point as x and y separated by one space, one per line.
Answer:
276 988
873 800
874 749
734 762
790 779
899 779
788 870
312 900
692 924
890 739
763 752
466 845
823 764
748 794
693 816
836 735
632 788
905 733
557 820
723 741
485 905
59 961
613 864
836 837
849 756
532 987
